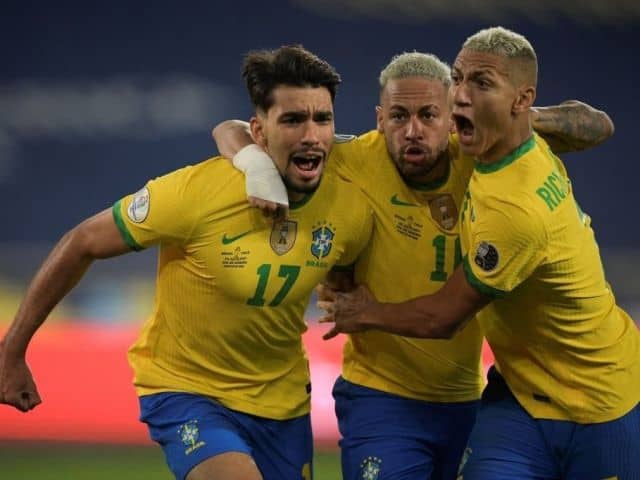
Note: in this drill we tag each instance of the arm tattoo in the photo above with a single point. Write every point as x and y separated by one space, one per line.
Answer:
572 126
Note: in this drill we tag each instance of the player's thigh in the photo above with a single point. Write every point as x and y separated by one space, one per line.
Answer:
609 450
192 429
282 449
226 466
505 444
382 436
455 423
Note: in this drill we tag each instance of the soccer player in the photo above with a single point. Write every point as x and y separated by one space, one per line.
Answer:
562 398
219 366
405 406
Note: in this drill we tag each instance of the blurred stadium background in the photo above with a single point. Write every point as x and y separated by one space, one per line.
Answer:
97 98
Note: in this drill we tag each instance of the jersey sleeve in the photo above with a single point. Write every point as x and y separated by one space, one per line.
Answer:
160 212
506 246
361 227
349 157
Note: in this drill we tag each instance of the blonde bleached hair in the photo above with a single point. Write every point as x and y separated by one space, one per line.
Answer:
505 43
416 64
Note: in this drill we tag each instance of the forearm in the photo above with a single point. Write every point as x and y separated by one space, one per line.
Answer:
571 126
421 317
96 237
59 273
231 136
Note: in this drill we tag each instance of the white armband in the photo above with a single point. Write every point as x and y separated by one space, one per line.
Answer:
262 177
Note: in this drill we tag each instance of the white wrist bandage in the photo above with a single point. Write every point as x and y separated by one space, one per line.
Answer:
262 177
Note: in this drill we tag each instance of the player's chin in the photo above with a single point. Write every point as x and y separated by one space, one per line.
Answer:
414 171
303 185
301 177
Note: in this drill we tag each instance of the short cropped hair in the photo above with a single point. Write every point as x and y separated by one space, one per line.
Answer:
292 65
505 43
415 64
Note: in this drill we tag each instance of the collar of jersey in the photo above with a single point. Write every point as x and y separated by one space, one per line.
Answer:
509 159
434 184
299 203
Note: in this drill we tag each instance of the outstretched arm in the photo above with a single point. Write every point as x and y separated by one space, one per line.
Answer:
440 315
571 126
96 237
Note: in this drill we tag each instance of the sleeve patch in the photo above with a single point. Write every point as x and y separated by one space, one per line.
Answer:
487 256
341 138
138 209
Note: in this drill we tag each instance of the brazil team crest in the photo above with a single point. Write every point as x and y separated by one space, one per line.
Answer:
322 240
444 211
190 436
370 468
283 236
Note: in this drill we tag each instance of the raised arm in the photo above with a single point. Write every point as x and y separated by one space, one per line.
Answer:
571 126
96 237
264 185
231 136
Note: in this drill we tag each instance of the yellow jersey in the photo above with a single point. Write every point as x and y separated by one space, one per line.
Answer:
413 249
564 347
232 286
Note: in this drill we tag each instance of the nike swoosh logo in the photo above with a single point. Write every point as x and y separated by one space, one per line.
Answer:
227 240
396 201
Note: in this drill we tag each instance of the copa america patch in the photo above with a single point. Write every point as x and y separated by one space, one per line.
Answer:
342 138
486 256
139 206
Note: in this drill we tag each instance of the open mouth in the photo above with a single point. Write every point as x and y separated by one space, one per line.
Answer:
307 163
464 127
413 154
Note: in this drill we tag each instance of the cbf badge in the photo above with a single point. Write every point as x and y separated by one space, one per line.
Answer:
370 468
444 211
190 434
283 236
321 240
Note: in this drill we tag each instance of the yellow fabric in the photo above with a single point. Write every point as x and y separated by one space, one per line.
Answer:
565 349
410 254
229 308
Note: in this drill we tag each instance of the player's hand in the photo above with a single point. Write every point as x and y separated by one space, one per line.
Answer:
347 311
17 387
265 187
273 210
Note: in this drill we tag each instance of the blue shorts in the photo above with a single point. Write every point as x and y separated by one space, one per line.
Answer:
399 438
191 428
508 443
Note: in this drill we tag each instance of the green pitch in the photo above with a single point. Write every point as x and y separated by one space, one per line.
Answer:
69 462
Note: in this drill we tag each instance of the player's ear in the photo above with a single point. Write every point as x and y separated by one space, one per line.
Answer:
379 119
524 100
257 127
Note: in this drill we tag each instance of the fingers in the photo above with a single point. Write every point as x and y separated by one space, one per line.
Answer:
329 318
325 293
327 306
277 211
24 401
281 213
330 334
267 207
